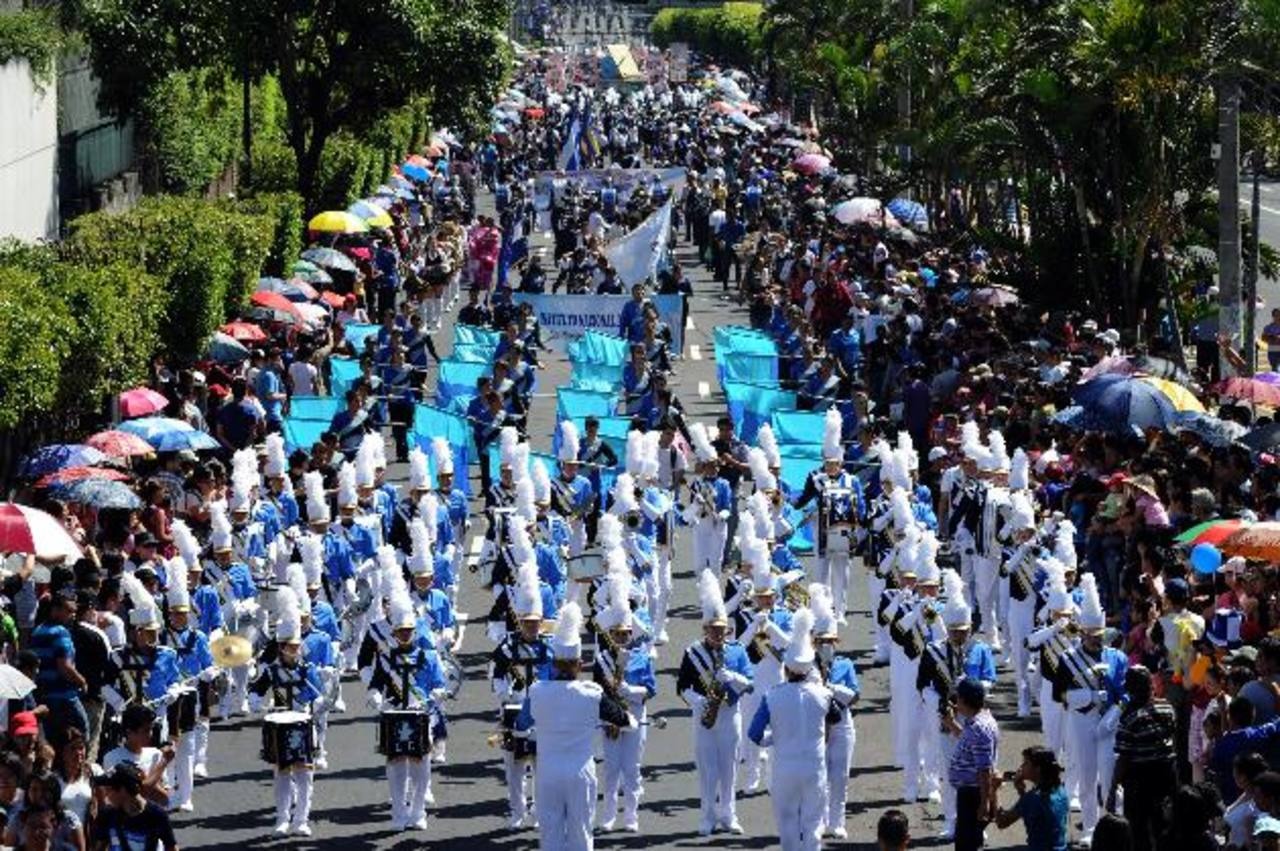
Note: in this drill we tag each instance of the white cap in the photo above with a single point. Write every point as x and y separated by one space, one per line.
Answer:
1047 457
832 433
525 507
624 496
956 614
900 510
443 456
570 443
296 578
1022 515
347 495
609 532
244 478
1059 598
1019 478
1092 617
711 599
971 441
566 642
520 461
288 616
800 653
997 457
1064 545
756 555
649 465
421 561
317 500
367 460
702 447
762 515
145 615
419 478
760 473
825 624
276 464
541 483
400 611
615 612
768 443
176 595
311 548
907 449
528 595
185 541
219 526
937 452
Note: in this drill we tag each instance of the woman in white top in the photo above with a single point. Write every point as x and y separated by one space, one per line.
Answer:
1240 816
76 773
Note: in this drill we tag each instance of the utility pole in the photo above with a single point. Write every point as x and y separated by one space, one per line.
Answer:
908 11
1229 214
1251 278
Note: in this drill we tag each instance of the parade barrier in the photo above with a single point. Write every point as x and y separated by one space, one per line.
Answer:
565 318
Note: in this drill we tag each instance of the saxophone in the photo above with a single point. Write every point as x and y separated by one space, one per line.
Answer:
614 687
714 692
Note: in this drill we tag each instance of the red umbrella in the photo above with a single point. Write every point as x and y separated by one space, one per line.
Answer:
277 303
811 163
71 474
244 332
1250 390
141 402
419 159
118 444
334 300
534 112
28 530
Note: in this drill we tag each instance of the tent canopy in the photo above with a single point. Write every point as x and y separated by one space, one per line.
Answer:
619 64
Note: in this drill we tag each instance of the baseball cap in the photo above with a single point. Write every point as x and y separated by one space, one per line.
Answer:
24 724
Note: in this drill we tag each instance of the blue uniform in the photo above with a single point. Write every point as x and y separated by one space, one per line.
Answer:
240 581
434 608
192 649
268 517
325 620
317 649
339 559
208 608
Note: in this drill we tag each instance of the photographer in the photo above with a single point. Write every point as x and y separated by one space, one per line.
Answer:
1043 808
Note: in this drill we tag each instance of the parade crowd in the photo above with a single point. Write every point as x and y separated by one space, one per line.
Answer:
1021 549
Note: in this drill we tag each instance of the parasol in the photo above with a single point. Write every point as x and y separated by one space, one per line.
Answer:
331 258
141 402
118 444
98 493
1249 390
336 221
28 530
993 297
56 456
1211 532
71 474
1259 541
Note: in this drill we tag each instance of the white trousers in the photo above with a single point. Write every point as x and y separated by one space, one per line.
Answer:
875 587
799 799
180 775
293 796
202 741
566 805
902 687
1093 755
939 747
840 745
986 576
832 570
518 786
664 589
715 752
708 545
622 759
577 538
1022 614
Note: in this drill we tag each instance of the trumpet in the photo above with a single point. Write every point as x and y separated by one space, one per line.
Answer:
1072 629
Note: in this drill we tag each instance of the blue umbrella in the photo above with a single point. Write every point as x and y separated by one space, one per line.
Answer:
415 171
176 441
331 258
1122 402
97 493
51 458
168 435
1214 431
224 348
393 192
910 213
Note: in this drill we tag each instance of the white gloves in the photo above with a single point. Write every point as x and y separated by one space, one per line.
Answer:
634 693
374 701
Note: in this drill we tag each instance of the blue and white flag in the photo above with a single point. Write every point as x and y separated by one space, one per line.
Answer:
570 158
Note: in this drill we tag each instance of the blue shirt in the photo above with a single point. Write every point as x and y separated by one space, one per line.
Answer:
267 385
975 751
51 642
1045 817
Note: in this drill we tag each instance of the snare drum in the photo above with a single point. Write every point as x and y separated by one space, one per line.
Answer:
521 747
288 738
182 711
404 733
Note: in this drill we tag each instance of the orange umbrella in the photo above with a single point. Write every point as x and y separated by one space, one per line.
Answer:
1259 541
276 303
244 332
334 300
118 444
419 159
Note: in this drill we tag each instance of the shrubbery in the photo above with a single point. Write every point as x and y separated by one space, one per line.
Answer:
730 33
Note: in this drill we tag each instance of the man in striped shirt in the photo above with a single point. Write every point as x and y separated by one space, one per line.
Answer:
973 762
1145 756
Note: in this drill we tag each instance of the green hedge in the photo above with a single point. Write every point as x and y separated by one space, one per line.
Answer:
729 33
287 212
32 346
207 256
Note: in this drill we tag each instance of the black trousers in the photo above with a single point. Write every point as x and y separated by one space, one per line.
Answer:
1146 787
968 823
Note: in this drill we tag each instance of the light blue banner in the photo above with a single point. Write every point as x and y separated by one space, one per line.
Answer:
343 372
301 433
567 317
576 404
456 386
752 405
430 422
798 427
356 333
315 407
470 335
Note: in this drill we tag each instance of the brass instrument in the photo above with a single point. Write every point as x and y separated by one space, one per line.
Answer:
1072 628
614 687
796 596
930 614
715 694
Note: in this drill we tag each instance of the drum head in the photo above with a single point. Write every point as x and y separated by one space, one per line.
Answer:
286 717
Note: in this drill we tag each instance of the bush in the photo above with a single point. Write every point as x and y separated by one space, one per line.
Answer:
32 346
206 255
286 211
730 33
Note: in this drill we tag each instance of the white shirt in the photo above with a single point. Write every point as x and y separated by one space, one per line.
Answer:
146 761
715 221
670 461
303 376
566 716
798 721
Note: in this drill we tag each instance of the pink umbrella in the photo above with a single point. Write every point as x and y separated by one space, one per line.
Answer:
28 530
141 402
994 297
119 444
1250 390
1112 364
811 163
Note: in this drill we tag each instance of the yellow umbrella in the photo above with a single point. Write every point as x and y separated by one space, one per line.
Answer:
337 221
1183 399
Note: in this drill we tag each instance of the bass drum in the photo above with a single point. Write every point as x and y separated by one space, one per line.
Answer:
454 675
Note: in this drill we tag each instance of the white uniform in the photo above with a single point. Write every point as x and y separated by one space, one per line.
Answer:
767 674
795 714
566 714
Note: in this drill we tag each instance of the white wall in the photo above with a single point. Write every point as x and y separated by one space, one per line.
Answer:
28 155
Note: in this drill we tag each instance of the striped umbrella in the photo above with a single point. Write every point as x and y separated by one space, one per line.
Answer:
118 444
71 474
1211 532
28 530
1260 541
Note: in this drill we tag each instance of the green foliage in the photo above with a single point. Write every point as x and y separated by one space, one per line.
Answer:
32 346
730 33
285 209
206 256
193 121
33 35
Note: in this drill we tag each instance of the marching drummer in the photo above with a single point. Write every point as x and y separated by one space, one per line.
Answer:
195 662
292 688
405 687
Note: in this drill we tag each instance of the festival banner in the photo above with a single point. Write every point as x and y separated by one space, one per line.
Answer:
564 318
639 254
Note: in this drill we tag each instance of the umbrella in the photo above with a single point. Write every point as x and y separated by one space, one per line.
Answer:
294 289
98 493
417 172
1160 368
1182 398
28 530
1267 377
334 300
1249 390
534 112
56 456
1263 438
336 221
141 402
118 444
390 192
1211 532
1259 541
277 304
910 213
417 159
1122 402
244 332
330 258
169 435
224 348
313 314
1214 431
1110 365
71 474
14 685
373 215
811 164
310 273
858 210
993 297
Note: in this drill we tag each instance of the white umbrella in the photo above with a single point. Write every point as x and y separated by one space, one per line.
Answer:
14 685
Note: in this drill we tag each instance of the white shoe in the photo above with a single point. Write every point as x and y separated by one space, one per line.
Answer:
430 798
281 829
186 807
934 797
339 706
200 772
662 638
1075 805
322 762
420 824
735 827
606 826
631 825
947 833
439 759
516 823
303 830
840 833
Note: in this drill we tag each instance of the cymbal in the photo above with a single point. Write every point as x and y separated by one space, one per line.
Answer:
231 651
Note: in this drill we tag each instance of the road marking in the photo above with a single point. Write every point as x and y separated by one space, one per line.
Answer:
704 389
689 326
695 351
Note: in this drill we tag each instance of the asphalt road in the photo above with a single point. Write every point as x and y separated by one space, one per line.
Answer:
234 807
1269 201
